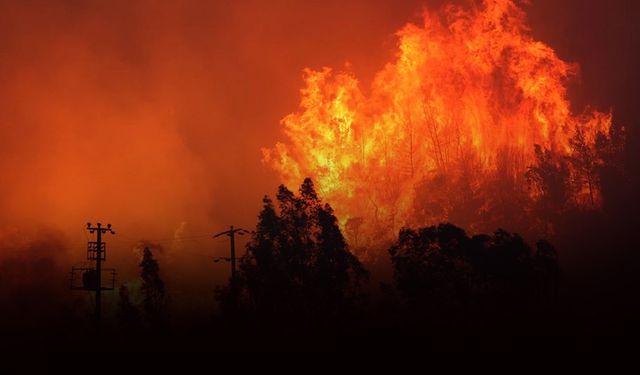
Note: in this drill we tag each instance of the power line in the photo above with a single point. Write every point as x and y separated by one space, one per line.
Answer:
168 239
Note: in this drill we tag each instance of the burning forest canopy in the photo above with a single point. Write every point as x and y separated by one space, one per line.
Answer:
469 123
152 115
169 120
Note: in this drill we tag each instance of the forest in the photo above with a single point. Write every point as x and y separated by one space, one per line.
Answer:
379 176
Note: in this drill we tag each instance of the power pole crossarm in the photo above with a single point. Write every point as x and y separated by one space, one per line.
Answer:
232 233
100 255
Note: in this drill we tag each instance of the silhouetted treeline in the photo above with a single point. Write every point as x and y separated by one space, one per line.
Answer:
300 287
451 285
297 270
298 277
440 270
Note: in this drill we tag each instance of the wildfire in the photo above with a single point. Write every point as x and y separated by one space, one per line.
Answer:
462 105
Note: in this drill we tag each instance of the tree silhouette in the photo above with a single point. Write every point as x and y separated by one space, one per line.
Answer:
614 182
154 297
297 266
548 178
547 270
442 273
586 162
128 314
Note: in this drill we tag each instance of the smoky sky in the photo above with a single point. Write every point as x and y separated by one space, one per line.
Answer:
150 114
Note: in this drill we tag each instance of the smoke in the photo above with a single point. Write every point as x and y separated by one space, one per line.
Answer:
148 114
88 131
34 288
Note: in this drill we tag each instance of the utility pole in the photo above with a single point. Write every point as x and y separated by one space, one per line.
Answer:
231 233
91 278
97 251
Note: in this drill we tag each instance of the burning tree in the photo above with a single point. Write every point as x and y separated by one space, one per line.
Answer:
449 129
549 180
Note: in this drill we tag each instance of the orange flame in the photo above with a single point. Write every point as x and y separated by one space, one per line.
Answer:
466 88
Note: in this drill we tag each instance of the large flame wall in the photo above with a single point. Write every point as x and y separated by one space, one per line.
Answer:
469 92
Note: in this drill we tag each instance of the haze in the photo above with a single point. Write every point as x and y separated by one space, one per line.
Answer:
151 114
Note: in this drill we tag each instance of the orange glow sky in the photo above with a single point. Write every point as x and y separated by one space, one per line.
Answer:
148 114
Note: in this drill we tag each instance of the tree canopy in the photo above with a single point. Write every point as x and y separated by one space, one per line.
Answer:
297 265
440 270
